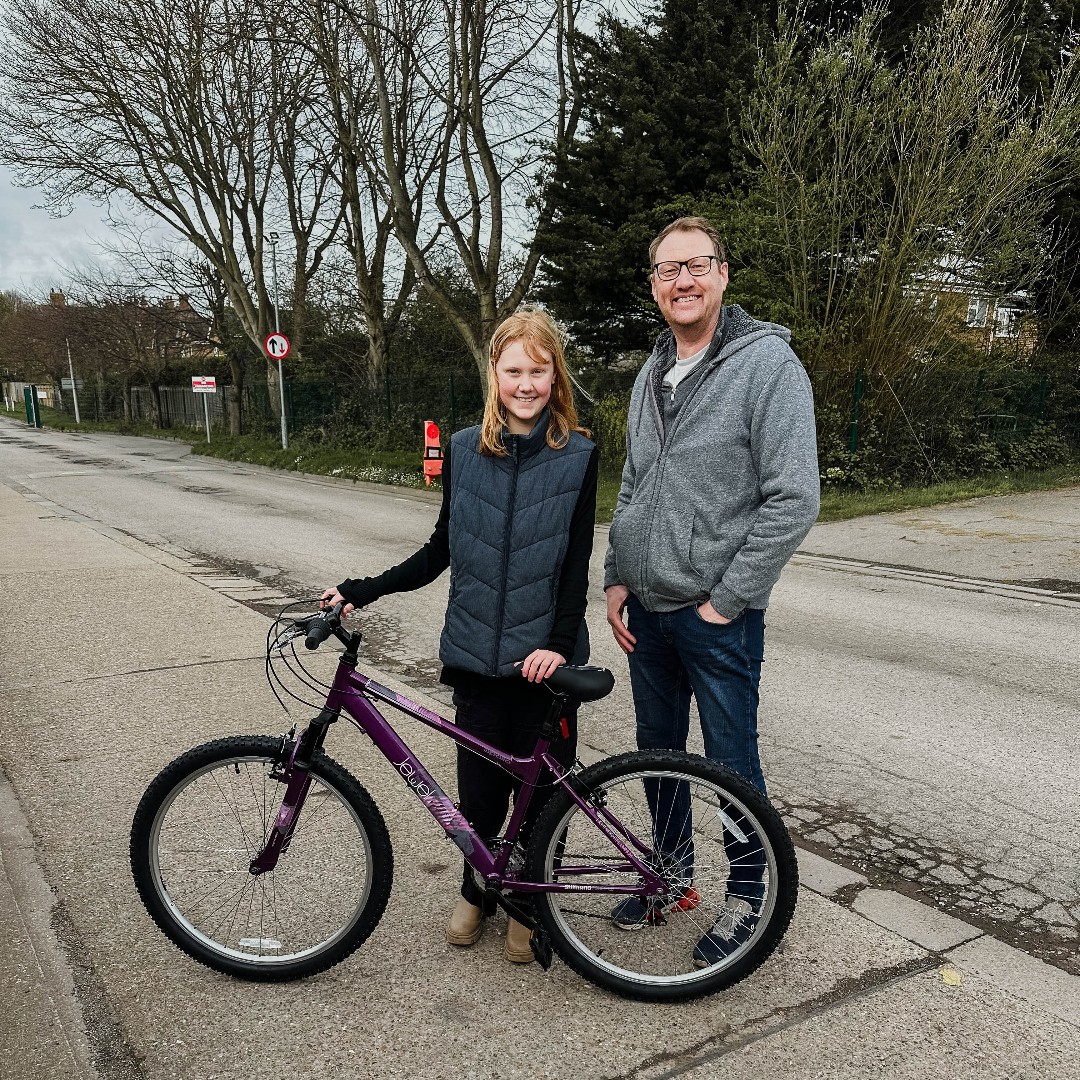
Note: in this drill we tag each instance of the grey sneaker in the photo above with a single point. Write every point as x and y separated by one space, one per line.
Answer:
734 926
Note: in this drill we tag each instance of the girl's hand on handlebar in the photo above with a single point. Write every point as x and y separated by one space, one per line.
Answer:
540 663
332 597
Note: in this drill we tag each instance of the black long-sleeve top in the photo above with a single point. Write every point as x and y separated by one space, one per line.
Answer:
433 558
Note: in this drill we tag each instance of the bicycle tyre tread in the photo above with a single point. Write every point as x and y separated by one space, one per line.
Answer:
381 870
771 823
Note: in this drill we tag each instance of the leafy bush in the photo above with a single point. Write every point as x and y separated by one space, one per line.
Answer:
936 436
609 426
1043 448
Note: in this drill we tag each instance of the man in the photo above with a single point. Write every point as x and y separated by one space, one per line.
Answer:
719 488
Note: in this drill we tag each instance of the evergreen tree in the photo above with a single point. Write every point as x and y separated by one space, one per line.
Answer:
1044 29
662 99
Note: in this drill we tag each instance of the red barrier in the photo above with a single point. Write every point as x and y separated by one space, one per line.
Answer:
432 451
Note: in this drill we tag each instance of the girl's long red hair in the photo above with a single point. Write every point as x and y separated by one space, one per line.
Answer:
537 332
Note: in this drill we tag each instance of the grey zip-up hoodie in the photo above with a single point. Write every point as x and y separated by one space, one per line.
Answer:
713 508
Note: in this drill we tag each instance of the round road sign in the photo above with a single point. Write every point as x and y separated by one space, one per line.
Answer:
277 346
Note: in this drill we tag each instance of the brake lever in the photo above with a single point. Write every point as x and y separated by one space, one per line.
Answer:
286 637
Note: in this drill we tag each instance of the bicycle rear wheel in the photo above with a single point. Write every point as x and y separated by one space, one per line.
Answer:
731 880
208 814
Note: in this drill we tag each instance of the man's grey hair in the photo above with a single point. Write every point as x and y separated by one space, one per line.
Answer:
688 224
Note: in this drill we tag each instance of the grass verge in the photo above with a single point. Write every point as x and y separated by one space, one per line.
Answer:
841 505
400 468
61 421
397 467
403 469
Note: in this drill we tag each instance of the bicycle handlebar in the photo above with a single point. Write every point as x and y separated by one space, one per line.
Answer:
322 626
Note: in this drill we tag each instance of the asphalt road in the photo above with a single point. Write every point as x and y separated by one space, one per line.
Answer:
918 720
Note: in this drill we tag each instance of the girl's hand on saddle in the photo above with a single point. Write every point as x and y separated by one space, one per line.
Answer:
540 663
332 597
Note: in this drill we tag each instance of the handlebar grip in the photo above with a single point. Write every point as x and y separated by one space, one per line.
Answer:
322 626
317 633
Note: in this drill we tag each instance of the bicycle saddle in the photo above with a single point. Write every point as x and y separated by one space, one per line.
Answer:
585 683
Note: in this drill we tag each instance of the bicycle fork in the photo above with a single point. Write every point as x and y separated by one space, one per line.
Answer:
298 772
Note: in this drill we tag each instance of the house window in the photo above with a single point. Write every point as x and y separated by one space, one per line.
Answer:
1006 322
977 311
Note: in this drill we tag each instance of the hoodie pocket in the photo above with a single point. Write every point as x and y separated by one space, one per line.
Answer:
626 537
671 570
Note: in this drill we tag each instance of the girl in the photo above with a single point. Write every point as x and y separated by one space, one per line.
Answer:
516 530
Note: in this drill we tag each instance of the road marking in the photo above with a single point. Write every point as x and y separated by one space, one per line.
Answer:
843 565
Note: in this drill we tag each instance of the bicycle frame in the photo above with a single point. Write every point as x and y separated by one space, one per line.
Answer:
351 694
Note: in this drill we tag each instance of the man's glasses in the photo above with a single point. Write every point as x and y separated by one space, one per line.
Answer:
698 267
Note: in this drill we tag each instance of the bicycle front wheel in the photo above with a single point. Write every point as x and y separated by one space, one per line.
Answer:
204 819
727 862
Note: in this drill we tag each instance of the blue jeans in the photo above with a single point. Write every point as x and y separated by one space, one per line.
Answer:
678 654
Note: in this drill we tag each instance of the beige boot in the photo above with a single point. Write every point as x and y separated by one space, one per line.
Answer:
518 950
466 924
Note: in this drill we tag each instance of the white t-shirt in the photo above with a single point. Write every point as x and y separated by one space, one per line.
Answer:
683 368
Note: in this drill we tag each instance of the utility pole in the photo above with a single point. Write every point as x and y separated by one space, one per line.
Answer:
273 237
74 391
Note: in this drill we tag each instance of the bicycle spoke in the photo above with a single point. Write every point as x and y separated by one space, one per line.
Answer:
699 837
206 839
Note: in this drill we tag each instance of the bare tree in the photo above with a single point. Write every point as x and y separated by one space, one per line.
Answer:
384 278
152 268
125 332
32 336
113 332
474 100
200 113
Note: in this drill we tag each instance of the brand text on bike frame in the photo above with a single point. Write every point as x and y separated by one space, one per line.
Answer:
348 697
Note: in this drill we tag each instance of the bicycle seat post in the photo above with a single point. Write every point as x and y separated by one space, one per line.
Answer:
550 728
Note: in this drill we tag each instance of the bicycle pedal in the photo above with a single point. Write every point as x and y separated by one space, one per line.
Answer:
541 948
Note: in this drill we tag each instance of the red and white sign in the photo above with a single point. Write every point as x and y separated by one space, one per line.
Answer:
204 384
277 346
433 457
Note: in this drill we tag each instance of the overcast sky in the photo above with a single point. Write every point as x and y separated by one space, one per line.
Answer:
37 249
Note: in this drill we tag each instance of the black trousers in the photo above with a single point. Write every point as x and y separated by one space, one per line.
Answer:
508 714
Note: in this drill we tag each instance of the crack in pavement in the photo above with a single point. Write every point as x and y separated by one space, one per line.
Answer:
1060 585
383 639
113 1055
1004 903
84 1012
1013 590
164 667
719 1046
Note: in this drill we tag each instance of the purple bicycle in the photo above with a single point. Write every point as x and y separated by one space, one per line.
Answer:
660 876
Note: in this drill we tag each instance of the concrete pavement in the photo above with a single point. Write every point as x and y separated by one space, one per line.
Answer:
116 656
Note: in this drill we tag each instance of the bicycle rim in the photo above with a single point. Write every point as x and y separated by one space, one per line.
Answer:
657 957
207 831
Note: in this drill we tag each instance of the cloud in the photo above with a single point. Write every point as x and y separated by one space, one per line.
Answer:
36 249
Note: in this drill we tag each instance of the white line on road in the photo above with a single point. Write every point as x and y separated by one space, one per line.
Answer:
843 565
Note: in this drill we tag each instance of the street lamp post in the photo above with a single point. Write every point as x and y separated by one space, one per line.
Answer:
273 237
74 391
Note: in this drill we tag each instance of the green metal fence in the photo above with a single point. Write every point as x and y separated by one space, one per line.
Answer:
1004 403
926 408
398 401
